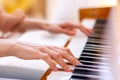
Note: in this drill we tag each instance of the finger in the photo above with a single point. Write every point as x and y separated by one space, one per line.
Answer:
68 32
89 30
84 30
62 49
56 56
67 56
68 50
67 25
47 59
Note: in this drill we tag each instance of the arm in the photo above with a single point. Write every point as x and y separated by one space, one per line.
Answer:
18 22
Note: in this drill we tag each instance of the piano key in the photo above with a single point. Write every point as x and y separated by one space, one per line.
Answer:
75 77
89 54
103 42
88 23
101 21
91 70
99 55
77 44
95 63
85 77
88 59
85 71
97 47
94 43
59 75
86 66
94 58
103 66
96 37
95 50
90 51
44 38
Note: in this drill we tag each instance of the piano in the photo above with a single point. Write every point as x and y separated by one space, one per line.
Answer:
95 56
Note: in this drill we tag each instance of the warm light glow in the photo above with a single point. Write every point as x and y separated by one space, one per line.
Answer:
112 2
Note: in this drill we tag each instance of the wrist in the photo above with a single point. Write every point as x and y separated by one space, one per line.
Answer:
6 48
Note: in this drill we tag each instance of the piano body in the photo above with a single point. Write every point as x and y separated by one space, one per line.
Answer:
95 50
92 51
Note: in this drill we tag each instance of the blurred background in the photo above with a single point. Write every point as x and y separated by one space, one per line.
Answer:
54 9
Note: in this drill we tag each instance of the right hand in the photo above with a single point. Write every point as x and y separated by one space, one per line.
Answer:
46 53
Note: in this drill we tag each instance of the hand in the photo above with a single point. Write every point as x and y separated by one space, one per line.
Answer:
67 28
61 28
46 53
10 21
70 26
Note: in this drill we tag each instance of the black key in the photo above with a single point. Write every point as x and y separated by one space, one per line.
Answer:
87 66
94 43
90 51
75 77
85 71
81 77
90 54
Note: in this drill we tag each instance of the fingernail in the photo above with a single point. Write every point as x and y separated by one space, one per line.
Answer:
68 69
77 62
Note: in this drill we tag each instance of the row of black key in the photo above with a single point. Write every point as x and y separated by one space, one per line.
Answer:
92 56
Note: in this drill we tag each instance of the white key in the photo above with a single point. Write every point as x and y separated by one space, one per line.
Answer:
77 44
44 38
59 75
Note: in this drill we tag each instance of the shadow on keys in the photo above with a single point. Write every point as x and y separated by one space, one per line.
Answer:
19 73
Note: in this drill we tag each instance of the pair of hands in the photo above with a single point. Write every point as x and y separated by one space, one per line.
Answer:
11 22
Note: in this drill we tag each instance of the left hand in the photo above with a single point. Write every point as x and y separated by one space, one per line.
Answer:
61 28
10 21
68 28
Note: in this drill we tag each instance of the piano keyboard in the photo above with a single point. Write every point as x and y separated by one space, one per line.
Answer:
94 57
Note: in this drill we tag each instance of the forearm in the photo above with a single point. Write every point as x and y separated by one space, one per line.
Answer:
32 24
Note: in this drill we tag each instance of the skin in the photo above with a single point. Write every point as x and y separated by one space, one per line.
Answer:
36 52
17 22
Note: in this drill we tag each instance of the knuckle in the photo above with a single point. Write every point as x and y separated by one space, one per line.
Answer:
65 54
46 56
57 55
65 66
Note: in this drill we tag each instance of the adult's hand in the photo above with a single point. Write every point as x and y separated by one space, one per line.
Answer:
30 52
68 26
9 21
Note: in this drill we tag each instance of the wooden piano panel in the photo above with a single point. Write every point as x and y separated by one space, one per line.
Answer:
94 13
